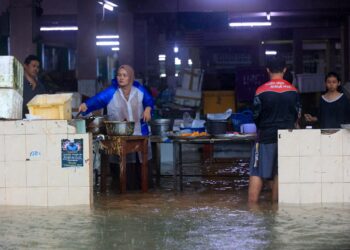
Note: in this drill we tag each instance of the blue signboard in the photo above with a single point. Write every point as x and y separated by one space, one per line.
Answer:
72 153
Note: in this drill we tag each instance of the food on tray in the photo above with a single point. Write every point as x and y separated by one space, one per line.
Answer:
196 133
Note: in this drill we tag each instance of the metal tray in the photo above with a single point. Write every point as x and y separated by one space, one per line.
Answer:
181 137
233 136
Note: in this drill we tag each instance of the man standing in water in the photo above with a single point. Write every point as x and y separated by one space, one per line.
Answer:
276 106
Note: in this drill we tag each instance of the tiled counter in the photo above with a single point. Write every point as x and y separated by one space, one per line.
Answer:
31 172
314 166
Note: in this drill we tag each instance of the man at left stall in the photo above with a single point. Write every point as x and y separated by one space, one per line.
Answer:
31 83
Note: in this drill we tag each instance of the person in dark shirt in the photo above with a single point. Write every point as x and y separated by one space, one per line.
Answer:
31 84
276 106
334 105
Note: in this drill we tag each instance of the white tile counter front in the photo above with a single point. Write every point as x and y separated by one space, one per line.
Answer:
31 172
314 166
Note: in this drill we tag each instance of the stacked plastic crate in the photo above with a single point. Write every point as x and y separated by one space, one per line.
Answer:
11 88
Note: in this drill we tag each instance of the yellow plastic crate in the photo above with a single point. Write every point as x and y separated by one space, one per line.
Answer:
56 106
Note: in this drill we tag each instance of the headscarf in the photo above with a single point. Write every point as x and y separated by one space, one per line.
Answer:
130 72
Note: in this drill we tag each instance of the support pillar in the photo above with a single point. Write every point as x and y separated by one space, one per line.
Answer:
21 29
126 38
297 53
345 51
86 47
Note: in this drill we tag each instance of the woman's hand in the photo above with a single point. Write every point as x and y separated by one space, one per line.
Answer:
82 107
310 118
147 114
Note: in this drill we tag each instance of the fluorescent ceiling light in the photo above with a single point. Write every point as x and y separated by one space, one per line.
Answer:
58 28
177 61
249 24
108 7
270 52
176 75
176 49
111 3
161 57
268 16
162 75
107 36
115 48
190 62
107 43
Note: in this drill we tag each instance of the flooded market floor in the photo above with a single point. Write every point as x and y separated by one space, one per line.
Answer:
212 213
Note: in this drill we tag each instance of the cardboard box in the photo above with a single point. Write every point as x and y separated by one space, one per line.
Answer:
10 104
218 101
11 74
57 106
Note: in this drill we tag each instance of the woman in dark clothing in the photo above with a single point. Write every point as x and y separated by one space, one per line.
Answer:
334 105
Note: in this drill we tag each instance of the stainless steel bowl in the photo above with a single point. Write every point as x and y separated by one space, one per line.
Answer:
119 128
161 126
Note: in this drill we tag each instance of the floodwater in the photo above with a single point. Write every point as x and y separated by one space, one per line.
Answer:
211 213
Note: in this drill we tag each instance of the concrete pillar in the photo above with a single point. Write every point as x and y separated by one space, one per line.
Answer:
345 51
297 53
126 38
86 47
21 29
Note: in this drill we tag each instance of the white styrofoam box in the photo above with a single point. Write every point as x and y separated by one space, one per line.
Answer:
16 196
80 195
76 100
36 147
187 98
79 176
2 196
310 193
11 73
53 142
10 104
288 169
288 143
15 148
289 193
15 174
12 127
310 142
2 148
346 188
2 174
307 83
310 169
57 126
346 168
35 127
331 144
332 192
56 175
36 173
192 79
332 169
37 196
58 196
346 142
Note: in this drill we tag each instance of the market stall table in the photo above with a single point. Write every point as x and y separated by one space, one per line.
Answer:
121 146
179 141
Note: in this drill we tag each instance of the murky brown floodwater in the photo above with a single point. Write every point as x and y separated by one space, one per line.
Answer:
212 213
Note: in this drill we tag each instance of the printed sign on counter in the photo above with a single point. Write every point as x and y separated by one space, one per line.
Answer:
72 153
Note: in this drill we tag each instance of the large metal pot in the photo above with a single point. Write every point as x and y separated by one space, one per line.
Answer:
161 126
119 128
95 124
216 127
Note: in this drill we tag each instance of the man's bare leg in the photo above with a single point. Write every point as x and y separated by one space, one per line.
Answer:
255 186
275 189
